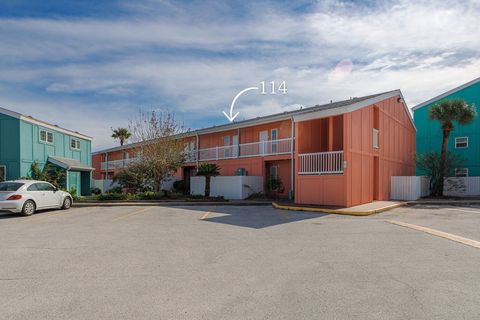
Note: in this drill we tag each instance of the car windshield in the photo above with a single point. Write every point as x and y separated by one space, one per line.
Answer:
10 186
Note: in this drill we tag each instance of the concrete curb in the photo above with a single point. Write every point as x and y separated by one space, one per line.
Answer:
442 202
336 211
166 204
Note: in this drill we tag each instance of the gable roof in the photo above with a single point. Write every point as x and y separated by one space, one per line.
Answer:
325 110
44 124
443 95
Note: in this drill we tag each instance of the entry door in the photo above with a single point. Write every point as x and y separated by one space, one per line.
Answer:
235 146
263 136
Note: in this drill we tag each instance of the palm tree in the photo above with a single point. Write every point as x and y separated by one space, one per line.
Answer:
121 134
208 170
448 112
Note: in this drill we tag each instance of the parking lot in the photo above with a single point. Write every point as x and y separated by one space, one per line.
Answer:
238 262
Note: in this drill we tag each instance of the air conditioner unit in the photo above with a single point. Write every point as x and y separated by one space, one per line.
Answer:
241 172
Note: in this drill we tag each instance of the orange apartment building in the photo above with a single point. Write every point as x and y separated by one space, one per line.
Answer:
342 153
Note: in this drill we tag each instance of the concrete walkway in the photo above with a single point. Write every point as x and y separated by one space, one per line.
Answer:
361 210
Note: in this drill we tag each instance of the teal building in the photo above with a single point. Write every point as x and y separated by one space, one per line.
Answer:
464 139
25 140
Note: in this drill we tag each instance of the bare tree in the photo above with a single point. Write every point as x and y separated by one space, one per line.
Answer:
159 145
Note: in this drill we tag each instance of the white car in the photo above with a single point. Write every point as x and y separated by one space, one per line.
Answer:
28 196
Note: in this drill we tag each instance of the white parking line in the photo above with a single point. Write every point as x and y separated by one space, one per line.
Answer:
456 209
449 236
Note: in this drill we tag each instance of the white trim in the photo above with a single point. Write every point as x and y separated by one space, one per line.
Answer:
20 116
376 138
4 172
75 148
466 169
449 92
466 147
47 131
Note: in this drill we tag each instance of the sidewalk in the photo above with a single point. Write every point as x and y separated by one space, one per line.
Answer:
361 210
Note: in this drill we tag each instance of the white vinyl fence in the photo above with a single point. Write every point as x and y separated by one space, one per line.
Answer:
413 188
229 187
461 186
106 184
409 187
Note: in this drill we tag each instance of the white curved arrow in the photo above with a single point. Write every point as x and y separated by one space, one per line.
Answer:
232 117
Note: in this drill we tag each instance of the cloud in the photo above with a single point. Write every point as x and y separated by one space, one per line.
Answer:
194 57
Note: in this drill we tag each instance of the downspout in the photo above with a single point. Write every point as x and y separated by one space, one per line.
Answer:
197 148
292 159
238 142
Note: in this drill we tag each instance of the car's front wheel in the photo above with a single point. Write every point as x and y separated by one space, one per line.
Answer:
28 208
67 203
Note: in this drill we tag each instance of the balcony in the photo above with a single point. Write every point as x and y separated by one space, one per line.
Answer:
116 164
330 162
253 149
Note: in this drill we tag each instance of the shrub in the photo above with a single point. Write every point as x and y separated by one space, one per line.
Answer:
115 190
148 195
112 196
73 193
179 186
96 191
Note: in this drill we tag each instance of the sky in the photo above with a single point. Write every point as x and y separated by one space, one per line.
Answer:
92 65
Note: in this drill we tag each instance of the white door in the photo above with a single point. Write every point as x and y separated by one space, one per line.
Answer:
263 136
235 146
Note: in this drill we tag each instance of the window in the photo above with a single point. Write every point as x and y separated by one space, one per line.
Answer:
10 186
3 173
75 144
46 136
42 186
461 142
33 187
461 172
375 139
274 137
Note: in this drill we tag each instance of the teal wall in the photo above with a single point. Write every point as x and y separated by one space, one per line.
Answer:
10 145
429 133
74 181
34 150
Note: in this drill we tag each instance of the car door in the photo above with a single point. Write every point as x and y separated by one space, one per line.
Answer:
50 194
37 194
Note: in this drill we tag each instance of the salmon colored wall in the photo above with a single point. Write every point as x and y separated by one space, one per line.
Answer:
315 135
252 134
284 173
395 155
96 163
356 185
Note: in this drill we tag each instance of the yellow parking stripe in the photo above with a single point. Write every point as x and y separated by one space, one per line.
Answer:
449 236
131 214
205 216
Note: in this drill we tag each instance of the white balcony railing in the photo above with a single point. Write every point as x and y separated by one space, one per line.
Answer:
116 164
253 149
321 163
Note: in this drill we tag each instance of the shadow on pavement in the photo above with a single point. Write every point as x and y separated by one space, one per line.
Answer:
257 217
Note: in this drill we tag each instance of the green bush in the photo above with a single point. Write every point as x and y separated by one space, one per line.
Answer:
115 190
147 195
112 196
73 192
179 186
96 191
